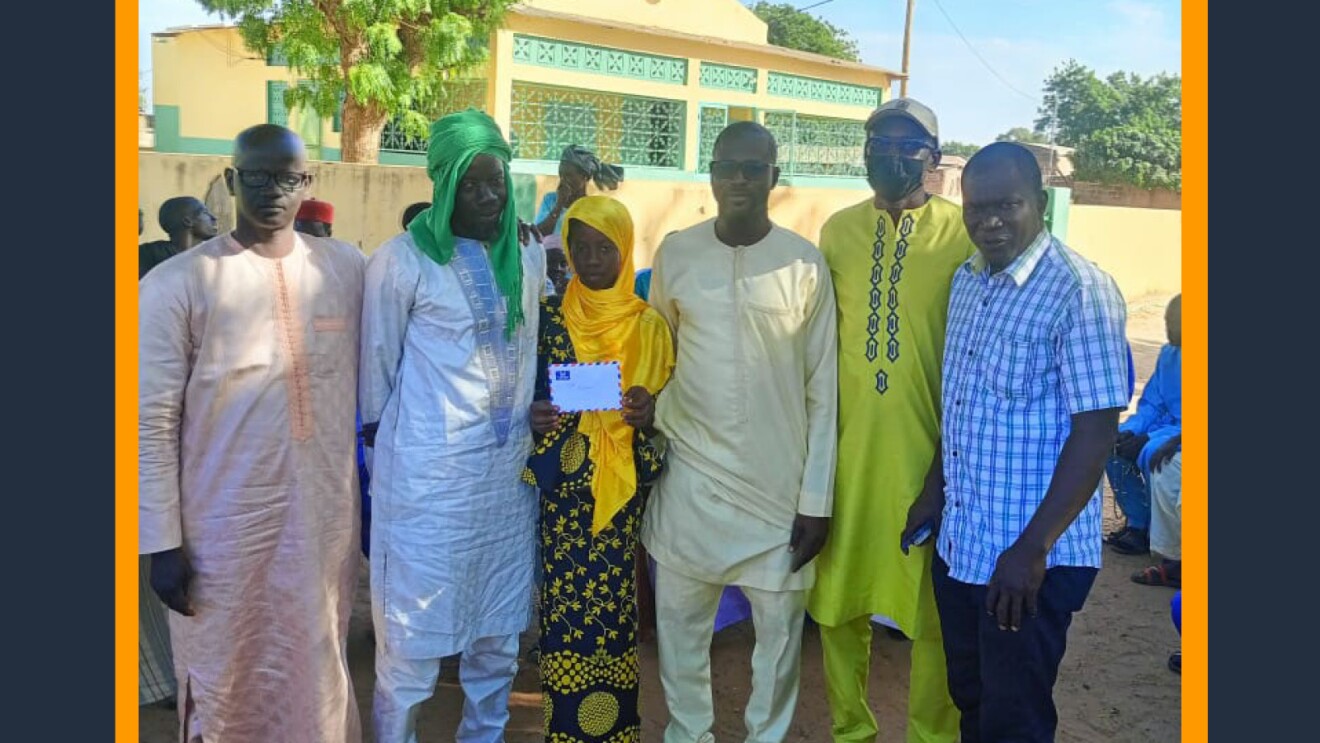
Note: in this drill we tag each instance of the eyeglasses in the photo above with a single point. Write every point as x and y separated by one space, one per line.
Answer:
727 170
287 180
903 147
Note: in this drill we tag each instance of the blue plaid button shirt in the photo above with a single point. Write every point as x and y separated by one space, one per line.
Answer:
1026 349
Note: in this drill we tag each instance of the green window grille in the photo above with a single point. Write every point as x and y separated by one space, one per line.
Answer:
814 89
459 96
565 55
630 130
394 139
713 120
277 111
728 78
567 123
279 58
815 145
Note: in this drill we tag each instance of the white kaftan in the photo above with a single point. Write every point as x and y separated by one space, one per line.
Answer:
247 371
452 523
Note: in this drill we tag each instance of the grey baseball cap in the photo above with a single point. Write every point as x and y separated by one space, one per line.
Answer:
910 109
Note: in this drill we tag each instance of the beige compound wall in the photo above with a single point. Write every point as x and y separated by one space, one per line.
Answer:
1141 248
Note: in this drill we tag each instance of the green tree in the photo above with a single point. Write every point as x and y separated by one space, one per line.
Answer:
1126 129
1145 154
794 29
1076 103
383 59
961 149
1022 134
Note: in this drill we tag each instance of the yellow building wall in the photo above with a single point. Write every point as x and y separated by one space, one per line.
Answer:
765 57
732 19
218 84
691 92
1140 248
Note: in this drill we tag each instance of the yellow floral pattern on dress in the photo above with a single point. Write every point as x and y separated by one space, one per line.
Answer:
589 662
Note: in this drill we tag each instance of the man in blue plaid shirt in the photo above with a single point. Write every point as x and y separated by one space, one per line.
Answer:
1035 376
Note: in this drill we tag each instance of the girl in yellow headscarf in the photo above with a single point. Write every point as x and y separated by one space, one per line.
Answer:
589 468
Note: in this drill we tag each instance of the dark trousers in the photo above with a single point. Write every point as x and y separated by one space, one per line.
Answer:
1003 681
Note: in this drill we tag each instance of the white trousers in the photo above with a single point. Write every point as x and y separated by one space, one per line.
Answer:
685 622
486 673
1166 509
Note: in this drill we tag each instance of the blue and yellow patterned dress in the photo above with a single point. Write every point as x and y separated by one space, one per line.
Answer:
589 666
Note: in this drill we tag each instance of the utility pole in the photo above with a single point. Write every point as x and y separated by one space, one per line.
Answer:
907 46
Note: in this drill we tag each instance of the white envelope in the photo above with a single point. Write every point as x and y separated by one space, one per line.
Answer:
577 388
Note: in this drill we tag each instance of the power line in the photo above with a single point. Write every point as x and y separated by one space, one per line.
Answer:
977 54
817 5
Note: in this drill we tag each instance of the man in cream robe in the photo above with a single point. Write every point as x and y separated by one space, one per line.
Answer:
248 499
750 420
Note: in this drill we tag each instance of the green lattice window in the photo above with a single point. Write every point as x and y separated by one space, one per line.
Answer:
277 112
394 139
630 130
567 55
815 89
815 145
713 121
728 77
459 96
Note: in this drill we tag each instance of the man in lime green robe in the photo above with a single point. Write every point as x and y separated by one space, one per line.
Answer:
892 258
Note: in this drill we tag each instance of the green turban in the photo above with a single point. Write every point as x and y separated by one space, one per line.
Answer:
455 140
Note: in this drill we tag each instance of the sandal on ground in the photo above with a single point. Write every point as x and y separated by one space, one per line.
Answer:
1157 575
1175 662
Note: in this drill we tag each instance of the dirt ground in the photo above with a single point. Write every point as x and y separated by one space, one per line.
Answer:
1114 686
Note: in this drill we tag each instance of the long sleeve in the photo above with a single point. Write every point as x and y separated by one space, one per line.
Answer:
547 203
164 360
822 377
1151 407
658 296
659 299
387 300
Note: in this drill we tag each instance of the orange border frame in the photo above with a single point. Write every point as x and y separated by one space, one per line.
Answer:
126 333
1195 235
1196 371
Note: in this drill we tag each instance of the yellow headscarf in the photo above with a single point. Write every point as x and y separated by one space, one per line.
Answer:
607 325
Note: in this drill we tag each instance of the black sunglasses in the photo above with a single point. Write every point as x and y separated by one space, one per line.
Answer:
903 147
727 170
287 180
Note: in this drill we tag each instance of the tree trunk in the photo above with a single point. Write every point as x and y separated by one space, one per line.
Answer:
363 124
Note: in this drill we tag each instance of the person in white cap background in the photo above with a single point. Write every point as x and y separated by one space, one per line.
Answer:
892 258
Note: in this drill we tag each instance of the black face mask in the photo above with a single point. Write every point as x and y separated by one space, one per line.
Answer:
893 177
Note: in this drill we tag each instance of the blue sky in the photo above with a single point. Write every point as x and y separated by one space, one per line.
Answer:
1020 40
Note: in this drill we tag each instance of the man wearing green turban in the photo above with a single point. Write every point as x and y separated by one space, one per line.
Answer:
449 328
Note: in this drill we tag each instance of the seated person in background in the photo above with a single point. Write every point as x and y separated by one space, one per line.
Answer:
1158 419
1166 516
